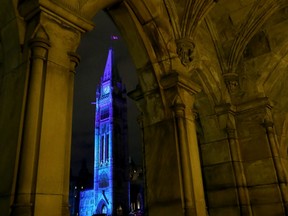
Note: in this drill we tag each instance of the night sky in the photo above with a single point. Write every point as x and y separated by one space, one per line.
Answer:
93 51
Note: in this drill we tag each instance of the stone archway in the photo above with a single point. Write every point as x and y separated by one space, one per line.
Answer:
102 207
172 41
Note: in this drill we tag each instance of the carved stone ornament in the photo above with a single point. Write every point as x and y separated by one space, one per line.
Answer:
185 48
232 82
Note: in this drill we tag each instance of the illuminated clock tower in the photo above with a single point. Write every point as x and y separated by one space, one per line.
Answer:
110 195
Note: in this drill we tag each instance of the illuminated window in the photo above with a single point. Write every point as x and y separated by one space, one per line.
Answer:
104 209
103 183
101 150
107 147
139 201
104 114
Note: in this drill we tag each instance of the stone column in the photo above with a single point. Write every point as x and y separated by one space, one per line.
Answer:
226 117
184 165
182 92
172 165
44 169
280 171
30 147
265 176
240 179
74 61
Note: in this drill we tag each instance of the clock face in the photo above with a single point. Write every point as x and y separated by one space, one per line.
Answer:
106 89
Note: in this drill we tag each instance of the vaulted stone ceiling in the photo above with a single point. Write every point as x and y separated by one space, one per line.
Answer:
235 50
221 34
239 47
240 38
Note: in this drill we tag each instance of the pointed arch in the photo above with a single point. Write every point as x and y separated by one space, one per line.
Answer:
274 69
102 204
260 12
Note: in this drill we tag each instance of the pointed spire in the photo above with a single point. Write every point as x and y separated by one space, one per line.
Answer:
108 68
111 70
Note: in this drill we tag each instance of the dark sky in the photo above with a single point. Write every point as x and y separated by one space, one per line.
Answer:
93 51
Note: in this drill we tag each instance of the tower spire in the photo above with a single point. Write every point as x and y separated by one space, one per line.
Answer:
109 66
111 71
111 148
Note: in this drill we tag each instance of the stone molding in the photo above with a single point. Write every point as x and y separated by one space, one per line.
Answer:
225 108
174 79
232 82
75 60
228 108
258 14
262 102
179 93
30 8
185 50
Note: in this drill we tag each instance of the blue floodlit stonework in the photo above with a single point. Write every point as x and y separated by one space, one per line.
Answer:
110 195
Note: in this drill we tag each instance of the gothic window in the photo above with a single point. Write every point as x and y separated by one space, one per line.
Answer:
104 209
104 114
107 147
103 180
139 201
101 150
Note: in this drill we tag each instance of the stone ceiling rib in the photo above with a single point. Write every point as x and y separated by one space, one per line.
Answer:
258 15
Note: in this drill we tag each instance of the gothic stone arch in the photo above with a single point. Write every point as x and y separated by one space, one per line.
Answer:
193 59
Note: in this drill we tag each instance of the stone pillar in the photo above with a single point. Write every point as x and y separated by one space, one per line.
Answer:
226 116
279 169
265 175
30 147
172 165
74 61
182 92
184 165
44 168
240 179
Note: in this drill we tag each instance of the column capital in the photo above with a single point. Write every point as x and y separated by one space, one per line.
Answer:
74 59
178 107
30 8
230 129
179 92
39 42
267 124
175 96
175 79
39 48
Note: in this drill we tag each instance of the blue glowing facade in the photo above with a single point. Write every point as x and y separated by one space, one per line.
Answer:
110 195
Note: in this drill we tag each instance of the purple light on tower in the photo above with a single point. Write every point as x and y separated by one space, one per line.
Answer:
111 185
